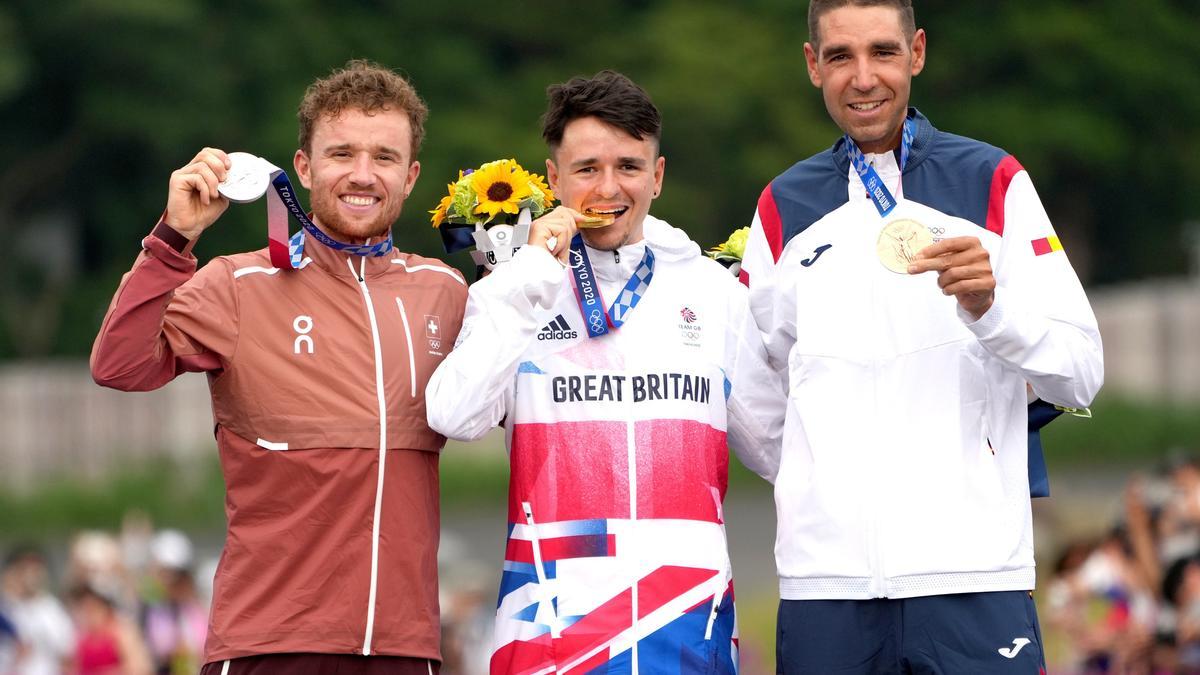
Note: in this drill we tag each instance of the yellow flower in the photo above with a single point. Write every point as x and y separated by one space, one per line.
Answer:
500 187
439 214
733 248
539 185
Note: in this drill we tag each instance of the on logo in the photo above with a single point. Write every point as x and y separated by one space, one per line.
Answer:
303 325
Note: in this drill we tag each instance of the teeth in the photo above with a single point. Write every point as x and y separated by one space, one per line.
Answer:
355 200
866 106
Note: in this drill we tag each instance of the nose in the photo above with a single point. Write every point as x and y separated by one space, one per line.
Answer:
864 75
608 187
362 169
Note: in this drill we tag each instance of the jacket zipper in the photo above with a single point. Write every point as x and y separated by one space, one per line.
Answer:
360 276
631 462
878 583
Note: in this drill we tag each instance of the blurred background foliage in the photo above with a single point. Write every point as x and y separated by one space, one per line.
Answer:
101 99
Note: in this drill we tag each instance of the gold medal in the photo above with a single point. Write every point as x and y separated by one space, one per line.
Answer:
593 219
899 243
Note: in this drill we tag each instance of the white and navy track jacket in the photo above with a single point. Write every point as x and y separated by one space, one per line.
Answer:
616 556
904 467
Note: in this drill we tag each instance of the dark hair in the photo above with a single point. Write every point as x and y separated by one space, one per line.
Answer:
817 8
608 96
366 86
24 552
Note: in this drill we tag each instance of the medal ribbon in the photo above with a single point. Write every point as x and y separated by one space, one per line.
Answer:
287 253
876 190
591 305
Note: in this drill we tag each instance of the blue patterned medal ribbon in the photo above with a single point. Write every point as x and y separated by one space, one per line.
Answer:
876 190
295 244
591 305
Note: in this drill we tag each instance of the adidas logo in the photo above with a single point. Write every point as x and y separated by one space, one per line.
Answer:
557 329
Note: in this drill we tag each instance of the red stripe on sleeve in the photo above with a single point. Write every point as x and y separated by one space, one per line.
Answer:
768 215
1003 175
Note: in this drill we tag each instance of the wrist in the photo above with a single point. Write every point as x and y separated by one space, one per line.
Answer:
177 239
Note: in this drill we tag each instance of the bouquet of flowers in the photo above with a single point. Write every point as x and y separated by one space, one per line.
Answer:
730 252
491 207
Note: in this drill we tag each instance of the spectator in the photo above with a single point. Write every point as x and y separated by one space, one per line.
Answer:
38 618
174 619
108 642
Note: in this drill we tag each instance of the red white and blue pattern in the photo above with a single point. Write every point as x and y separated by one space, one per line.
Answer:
616 560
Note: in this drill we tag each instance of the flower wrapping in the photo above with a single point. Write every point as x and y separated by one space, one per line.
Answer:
491 208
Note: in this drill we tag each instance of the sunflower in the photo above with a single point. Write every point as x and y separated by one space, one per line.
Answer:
500 187
541 191
439 214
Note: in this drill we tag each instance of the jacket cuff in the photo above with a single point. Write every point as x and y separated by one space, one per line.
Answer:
169 235
993 321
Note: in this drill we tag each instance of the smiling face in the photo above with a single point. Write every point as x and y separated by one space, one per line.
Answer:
359 173
864 65
600 168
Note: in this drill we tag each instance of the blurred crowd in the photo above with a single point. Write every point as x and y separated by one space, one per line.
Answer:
136 603
126 604
1129 601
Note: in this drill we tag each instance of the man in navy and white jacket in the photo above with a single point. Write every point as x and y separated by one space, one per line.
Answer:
905 538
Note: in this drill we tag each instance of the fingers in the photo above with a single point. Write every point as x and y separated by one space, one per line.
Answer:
964 270
193 200
555 230
947 253
216 158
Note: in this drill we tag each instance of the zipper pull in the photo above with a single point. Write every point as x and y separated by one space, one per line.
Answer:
617 256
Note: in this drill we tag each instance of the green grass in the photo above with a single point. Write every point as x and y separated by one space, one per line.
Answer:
1122 433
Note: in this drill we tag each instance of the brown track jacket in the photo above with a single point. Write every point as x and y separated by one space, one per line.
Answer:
318 391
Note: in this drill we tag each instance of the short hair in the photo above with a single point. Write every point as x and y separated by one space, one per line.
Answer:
818 8
366 86
608 96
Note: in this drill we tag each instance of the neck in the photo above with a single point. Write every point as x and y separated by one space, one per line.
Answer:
880 147
337 236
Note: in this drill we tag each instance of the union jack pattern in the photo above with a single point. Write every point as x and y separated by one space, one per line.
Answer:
616 559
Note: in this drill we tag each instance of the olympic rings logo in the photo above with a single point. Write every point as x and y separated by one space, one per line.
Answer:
596 320
937 231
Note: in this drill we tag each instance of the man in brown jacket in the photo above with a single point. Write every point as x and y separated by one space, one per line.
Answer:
317 376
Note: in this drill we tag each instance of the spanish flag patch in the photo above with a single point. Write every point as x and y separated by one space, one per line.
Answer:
1046 245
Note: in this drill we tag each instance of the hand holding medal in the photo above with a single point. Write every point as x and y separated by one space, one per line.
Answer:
964 270
194 200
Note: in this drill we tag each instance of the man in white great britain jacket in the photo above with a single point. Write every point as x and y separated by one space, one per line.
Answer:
617 427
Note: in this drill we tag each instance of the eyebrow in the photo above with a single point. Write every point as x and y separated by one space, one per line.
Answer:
347 146
882 45
589 161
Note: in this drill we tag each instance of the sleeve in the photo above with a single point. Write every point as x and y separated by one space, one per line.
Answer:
760 264
1040 322
166 319
757 400
470 391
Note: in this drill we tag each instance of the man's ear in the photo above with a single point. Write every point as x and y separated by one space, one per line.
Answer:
303 169
810 61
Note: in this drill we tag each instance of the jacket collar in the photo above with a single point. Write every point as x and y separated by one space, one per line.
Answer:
922 144
335 262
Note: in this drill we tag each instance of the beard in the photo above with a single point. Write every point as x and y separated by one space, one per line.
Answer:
325 211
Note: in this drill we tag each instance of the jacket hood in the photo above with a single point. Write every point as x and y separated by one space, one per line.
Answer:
668 241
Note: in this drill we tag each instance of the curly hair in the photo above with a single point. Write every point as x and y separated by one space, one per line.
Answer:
366 86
